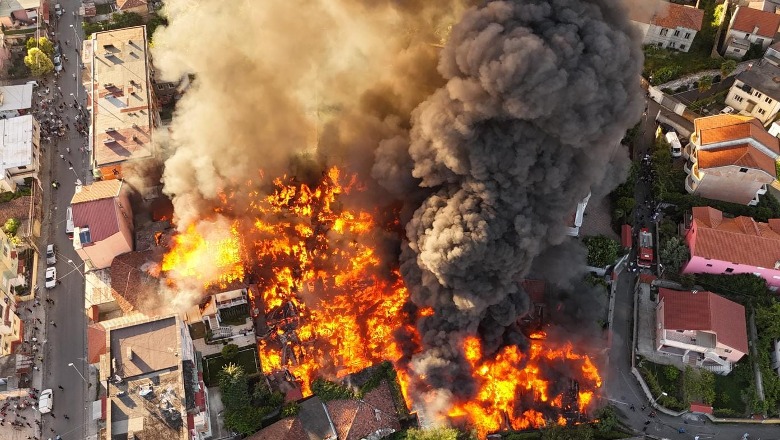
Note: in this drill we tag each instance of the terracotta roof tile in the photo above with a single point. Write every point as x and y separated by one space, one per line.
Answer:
285 429
18 208
747 19
741 240
96 342
742 155
133 283
710 216
102 189
671 15
124 4
706 311
355 420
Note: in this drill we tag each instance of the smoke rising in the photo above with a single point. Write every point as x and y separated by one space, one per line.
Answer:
537 97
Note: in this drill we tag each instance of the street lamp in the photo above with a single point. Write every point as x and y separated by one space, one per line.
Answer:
78 181
663 393
77 371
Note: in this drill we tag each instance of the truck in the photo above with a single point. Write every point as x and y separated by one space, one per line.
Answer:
645 257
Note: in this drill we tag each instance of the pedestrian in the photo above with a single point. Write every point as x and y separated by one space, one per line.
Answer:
60 387
62 156
39 319
54 324
66 417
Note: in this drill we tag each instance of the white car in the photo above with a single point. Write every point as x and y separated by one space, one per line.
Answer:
57 64
46 401
727 110
51 257
58 10
51 277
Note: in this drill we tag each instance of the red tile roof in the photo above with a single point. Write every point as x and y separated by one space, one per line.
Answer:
285 429
18 208
357 419
742 155
133 281
747 19
701 408
741 240
708 312
671 15
100 216
96 342
722 128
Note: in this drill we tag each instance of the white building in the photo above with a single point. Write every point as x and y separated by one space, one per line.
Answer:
750 26
756 92
19 151
673 26
15 100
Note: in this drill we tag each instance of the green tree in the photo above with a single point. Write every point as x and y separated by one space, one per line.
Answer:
290 409
755 51
126 19
698 385
768 320
728 67
602 250
607 419
38 63
705 83
557 432
11 226
665 74
718 15
230 351
234 387
671 373
674 253
441 433
41 43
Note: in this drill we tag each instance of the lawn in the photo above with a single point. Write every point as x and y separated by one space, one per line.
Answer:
212 364
666 65
729 390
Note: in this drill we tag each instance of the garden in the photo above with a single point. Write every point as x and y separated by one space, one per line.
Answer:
245 357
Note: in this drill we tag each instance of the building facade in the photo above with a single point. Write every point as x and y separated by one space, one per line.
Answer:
731 246
703 329
673 26
750 27
730 158
756 93
20 151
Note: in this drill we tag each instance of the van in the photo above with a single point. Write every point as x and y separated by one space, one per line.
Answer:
69 222
674 143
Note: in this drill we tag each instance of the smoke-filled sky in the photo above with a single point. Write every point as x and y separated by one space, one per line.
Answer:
491 122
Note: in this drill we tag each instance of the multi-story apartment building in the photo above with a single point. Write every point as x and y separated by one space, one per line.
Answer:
756 91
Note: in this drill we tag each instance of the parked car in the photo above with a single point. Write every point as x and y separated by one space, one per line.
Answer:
58 10
69 223
46 401
57 64
51 257
727 110
51 277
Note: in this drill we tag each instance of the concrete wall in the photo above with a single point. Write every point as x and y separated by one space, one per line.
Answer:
717 267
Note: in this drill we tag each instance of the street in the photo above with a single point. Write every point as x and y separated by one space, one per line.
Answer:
66 333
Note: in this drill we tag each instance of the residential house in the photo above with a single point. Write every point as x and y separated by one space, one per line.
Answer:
103 222
154 388
19 18
730 158
756 91
15 100
11 327
722 245
13 282
748 27
703 329
20 151
673 26
121 100
222 313
374 416
140 7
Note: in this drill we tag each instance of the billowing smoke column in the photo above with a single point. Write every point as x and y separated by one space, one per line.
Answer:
537 98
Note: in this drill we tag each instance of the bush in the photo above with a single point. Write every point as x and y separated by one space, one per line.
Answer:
327 390
666 74
602 250
290 409
230 351
726 413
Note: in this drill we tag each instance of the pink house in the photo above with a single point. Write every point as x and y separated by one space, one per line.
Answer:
702 328
721 245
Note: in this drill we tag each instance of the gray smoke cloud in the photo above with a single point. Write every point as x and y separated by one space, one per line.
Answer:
537 97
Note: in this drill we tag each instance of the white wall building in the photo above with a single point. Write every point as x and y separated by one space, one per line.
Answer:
756 92
20 140
750 26
673 26
15 100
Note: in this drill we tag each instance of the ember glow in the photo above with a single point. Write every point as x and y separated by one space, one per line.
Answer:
333 307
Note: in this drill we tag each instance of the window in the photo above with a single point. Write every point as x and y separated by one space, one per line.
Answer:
768 100
728 350
22 167
687 35
743 170
676 33
664 32
679 331
729 270
682 47
159 86
660 44
758 94
761 111
171 86
738 98
709 265
672 44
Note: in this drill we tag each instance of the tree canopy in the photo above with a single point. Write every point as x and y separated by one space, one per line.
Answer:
602 250
38 62
674 253
41 43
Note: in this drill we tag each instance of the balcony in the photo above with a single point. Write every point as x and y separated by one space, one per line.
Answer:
761 191
689 164
691 184
700 342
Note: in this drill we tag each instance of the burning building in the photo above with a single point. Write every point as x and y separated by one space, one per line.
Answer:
451 142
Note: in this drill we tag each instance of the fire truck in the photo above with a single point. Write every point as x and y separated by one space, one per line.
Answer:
645 258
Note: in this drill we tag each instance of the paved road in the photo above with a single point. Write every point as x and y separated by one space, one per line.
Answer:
66 341
621 387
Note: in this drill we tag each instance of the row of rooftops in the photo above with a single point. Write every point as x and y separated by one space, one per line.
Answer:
724 140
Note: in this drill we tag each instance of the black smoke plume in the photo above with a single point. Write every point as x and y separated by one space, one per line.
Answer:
537 97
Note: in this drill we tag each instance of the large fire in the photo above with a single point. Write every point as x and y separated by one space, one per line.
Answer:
333 305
